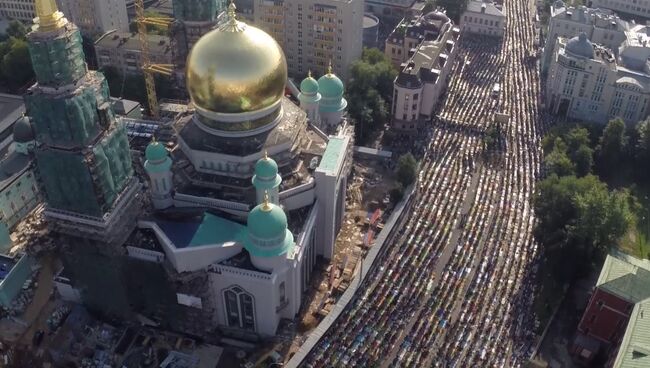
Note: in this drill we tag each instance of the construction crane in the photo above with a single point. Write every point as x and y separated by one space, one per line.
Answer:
148 68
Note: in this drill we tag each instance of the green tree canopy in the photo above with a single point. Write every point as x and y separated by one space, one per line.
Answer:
16 63
579 219
370 91
612 150
407 168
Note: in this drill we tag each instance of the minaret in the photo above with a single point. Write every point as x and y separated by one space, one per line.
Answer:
159 169
332 104
267 180
309 98
82 154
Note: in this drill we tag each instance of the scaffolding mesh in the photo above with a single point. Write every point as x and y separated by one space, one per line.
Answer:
67 182
57 61
65 121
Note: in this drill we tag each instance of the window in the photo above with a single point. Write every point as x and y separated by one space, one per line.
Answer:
283 296
240 308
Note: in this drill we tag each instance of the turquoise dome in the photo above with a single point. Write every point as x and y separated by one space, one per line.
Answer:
266 168
309 85
268 235
155 152
330 86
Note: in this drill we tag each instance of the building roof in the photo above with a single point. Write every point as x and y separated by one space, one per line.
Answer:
209 230
490 8
12 108
329 85
23 131
334 153
581 46
625 277
634 351
12 167
129 41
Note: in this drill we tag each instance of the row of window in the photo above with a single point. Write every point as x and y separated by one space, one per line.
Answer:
491 23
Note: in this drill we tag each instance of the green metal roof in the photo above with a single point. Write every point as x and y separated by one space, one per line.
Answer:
329 85
260 183
634 351
158 167
210 230
266 168
309 85
155 152
626 277
335 150
265 224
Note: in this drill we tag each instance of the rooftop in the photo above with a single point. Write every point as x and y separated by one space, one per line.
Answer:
634 351
130 41
334 154
12 107
11 167
207 229
626 277
490 8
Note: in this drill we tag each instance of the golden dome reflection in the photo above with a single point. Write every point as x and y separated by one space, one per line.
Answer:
236 68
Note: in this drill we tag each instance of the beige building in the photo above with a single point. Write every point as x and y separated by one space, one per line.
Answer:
22 10
96 17
314 32
122 50
633 7
424 75
483 17
588 82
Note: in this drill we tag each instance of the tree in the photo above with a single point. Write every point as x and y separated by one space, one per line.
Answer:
612 150
406 169
16 29
370 91
558 162
17 64
579 219
642 149
583 159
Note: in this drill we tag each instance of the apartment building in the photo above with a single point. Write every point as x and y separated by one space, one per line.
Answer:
314 32
22 10
122 51
96 17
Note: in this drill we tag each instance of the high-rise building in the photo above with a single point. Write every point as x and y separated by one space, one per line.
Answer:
194 18
631 7
82 153
22 10
313 33
96 17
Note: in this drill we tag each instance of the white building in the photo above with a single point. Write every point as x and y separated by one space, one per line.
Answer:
483 17
246 160
423 77
22 10
96 17
633 7
601 26
587 82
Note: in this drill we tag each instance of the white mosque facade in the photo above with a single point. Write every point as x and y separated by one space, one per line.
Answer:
272 184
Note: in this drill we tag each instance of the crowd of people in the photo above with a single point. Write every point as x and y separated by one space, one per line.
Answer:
455 286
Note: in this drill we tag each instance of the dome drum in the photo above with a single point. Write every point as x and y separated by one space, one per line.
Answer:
243 124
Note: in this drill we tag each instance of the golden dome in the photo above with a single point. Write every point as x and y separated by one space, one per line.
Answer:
236 68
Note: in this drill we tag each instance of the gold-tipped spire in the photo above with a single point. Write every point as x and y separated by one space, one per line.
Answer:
309 73
329 68
266 154
232 24
49 18
266 206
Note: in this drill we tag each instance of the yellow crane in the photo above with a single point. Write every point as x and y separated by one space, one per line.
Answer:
147 67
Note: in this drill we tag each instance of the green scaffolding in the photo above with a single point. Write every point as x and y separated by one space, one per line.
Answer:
57 61
86 184
198 10
67 182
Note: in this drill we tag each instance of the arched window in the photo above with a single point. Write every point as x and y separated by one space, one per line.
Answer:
240 308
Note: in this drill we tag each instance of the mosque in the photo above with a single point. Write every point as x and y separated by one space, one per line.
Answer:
249 194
